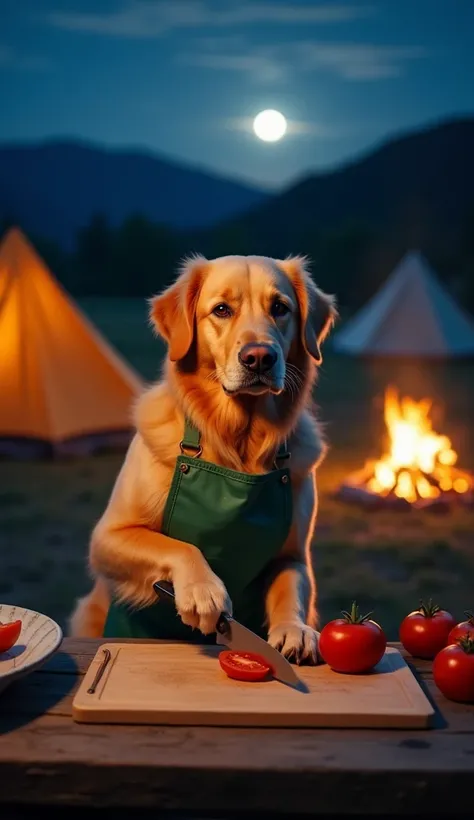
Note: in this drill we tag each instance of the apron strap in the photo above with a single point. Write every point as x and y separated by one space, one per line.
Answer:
191 439
283 453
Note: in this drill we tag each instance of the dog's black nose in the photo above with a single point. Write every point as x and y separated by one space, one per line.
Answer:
258 357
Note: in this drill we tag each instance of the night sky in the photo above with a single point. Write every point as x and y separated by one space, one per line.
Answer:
185 77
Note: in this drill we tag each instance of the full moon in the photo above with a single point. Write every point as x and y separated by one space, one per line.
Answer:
270 125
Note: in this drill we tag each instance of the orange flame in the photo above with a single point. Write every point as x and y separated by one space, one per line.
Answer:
420 463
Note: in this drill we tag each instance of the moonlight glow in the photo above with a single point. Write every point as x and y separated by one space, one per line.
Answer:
270 125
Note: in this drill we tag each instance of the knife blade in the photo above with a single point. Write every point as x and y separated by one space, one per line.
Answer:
240 639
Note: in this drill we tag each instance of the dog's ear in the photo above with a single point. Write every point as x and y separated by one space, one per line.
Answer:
172 312
318 310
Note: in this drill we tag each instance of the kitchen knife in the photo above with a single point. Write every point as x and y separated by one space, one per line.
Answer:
240 639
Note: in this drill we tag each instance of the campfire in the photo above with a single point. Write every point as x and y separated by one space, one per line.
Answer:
418 468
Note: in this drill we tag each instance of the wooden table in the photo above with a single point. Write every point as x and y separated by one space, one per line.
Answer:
47 759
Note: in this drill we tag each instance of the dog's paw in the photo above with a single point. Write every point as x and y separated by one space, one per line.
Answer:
295 641
200 602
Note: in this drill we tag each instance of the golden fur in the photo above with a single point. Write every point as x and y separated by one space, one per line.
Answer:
242 426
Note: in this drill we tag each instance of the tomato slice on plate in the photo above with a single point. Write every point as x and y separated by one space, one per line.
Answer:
9 635
246 666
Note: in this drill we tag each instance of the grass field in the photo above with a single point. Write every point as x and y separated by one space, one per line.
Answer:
385 560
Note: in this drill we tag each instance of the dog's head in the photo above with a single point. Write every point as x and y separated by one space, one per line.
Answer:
248 318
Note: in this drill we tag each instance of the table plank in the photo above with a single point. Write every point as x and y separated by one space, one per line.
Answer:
183 768
47 759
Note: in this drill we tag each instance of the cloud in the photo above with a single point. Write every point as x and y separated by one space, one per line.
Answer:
135 19
354 62
259 64
13 61
227 51
294 13
358 61
153 18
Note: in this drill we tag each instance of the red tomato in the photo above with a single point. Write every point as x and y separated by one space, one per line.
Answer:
453 670
425 631
244 665
352 644
462 629
9 635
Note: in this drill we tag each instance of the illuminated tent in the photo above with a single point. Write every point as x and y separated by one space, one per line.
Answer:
412 315
63 389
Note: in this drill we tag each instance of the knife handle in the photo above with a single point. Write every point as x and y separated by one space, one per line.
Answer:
165 588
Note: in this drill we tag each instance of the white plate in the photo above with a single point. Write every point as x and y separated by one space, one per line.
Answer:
39 638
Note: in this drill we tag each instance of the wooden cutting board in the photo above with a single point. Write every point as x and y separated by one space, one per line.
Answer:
182 684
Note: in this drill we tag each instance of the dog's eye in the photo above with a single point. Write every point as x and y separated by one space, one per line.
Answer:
279 309
223 311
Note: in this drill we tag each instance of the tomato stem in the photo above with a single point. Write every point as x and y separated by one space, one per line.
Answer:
354 616
470 616
429 609
466 642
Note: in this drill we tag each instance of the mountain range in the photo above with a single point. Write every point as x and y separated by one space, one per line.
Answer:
53 189
416 187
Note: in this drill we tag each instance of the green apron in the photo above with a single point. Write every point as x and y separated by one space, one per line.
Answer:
240 523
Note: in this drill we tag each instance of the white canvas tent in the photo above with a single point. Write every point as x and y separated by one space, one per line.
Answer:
412 315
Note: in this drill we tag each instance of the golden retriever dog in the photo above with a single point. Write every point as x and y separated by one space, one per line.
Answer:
245 404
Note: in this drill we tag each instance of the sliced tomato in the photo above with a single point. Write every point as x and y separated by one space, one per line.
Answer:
244 665
9 634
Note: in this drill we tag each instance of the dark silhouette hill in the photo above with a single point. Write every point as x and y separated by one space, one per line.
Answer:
125 219
418 187
53 189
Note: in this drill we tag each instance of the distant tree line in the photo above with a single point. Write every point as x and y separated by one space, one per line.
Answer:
140 257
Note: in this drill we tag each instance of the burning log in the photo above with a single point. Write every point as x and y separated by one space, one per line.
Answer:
352 494
359 495
418 470
440 505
